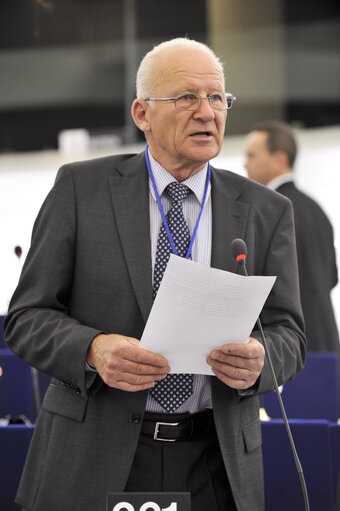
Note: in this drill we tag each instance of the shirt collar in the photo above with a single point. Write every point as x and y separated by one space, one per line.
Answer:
280 180
162 178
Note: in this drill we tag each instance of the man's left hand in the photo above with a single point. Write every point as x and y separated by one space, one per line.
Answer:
238 365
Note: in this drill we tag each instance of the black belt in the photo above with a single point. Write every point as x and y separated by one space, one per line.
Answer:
177 427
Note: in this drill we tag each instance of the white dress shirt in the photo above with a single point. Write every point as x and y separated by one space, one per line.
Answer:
280 180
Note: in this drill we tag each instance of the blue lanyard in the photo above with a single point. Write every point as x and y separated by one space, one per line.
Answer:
161 210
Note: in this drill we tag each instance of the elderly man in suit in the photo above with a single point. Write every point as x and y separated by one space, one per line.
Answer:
271 150
98 251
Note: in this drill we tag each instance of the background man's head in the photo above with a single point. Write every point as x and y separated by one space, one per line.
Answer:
270 151
179 138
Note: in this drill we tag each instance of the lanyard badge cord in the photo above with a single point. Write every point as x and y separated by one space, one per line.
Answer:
161 210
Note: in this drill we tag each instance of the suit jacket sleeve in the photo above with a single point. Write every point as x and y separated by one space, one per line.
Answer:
38 327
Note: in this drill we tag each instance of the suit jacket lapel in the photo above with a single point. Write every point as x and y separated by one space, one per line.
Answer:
130 200
229 218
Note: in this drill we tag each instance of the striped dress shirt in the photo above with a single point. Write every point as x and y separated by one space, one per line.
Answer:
201 252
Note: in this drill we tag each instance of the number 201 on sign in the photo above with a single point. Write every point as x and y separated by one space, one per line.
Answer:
147 501
147 506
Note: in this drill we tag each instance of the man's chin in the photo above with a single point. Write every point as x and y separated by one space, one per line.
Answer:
204 153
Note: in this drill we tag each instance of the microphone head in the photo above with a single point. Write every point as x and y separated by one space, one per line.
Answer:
18 251
239 249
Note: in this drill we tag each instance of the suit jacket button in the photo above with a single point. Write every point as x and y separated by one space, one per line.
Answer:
134 418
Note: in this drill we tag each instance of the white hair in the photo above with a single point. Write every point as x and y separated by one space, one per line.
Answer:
144 79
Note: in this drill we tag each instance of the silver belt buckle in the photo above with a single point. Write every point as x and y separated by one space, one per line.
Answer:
155 435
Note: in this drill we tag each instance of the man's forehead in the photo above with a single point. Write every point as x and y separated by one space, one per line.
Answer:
185 67
258 138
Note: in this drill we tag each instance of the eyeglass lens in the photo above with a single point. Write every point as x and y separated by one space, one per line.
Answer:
191 101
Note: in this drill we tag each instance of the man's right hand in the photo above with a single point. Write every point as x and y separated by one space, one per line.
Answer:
122 364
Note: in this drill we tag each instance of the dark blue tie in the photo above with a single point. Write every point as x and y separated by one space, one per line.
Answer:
175 389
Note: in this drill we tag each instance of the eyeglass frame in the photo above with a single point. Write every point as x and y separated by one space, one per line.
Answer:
199 98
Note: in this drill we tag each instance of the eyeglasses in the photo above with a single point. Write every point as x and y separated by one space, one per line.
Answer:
192 101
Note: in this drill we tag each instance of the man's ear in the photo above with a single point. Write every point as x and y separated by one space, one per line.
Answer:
139 112
281 160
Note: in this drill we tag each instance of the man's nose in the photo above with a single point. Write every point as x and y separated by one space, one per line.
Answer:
205 111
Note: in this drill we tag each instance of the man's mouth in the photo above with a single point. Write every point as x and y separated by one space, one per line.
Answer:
201 134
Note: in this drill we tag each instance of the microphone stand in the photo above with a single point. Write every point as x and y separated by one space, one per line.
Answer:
34 372
242 263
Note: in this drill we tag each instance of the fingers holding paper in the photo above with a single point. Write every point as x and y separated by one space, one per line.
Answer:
238 365
124 365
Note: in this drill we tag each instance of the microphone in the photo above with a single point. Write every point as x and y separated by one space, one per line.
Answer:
239 251
18 251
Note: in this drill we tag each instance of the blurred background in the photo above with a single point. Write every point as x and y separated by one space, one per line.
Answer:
67 80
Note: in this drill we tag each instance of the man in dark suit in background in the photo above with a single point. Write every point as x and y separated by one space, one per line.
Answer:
87 288
270 155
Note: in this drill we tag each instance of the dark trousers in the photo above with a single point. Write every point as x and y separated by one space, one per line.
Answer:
194 466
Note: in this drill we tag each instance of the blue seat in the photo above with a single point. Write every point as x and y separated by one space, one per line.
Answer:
2 341
14 443
313 394
16 391
16 387
335 438
315 447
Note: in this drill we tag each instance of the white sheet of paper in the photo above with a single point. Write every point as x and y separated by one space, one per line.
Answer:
198 308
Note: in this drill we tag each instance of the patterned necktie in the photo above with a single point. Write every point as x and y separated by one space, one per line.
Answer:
175 389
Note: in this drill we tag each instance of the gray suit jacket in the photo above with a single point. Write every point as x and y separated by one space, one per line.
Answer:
89 271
